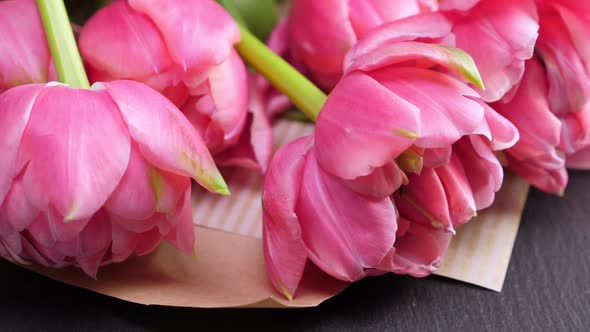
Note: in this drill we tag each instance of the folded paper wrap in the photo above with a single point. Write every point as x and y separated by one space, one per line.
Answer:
228 268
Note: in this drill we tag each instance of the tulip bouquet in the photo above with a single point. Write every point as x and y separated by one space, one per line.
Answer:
418 105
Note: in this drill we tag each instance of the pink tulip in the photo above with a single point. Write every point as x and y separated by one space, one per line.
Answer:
25 56
321 32
88 177
536 157
183 49
500 35
563 49
309 214
402 115
550 106
406 100
426 119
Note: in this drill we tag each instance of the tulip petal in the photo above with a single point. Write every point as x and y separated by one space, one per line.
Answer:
16 211
424 200
354 134
425 26
367 14
182 236
220 114
77 155
15 110
500 35
190 28
437 157
381 183
147 242
550 180
447 111
424 54
135 196
501 133
134 50
457 4
420 250
164 136
284 251
460 198
254 148
96 237
229 89
25 54
345 232
482 168
580 159
321 43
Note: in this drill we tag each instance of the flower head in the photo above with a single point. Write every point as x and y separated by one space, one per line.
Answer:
89 177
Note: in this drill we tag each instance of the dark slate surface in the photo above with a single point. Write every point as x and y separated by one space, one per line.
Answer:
547 288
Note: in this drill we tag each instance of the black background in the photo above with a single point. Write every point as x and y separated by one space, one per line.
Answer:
547 288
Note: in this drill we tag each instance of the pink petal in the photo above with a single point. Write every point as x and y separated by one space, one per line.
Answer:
134 197
11 248
91 264
96 236
164 136
77 148
424 200
124 243
427 26
17 213
367 14
535 156
254 148
321 42
566 68
224 106
147 242
284 251
446 110
345 232
482 168
49 228
551 180
501 133
381 183
580 159
457 4
182 236
500 35
417 55
363 126
15 110
437 157
420 250
198 34
135 49
539 129
25 54
462 206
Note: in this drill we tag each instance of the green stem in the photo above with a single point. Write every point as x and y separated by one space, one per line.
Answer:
302 92
60 37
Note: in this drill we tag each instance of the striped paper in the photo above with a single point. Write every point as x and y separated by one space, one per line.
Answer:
479 253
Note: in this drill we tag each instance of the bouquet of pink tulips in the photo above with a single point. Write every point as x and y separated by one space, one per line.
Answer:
419 108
